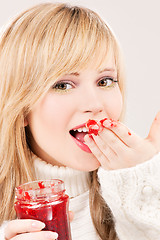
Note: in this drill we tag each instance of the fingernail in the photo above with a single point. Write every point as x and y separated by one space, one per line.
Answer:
107 123
51 235
88 138
38 225
157 116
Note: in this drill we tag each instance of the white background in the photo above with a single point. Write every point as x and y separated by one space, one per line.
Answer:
137 27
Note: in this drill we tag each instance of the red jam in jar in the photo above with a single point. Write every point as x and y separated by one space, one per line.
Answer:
45 201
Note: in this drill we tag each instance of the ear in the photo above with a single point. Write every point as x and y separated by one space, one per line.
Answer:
25 122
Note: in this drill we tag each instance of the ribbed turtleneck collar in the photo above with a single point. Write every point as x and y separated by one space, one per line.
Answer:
76 182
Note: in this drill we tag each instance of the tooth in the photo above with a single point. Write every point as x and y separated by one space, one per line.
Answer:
85 129
80 130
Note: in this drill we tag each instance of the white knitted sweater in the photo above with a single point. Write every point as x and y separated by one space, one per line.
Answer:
133 195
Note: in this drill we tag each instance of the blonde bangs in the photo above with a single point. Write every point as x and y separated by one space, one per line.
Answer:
50 40
80 38
74 39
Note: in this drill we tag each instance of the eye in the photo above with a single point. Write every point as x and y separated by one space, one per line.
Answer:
106 82
62 86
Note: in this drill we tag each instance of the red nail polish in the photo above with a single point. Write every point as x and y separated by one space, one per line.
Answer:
90 136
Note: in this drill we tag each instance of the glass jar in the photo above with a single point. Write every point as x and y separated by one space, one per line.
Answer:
45 201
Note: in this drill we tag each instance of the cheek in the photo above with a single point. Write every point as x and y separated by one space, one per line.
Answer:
114 104
119 107
53 112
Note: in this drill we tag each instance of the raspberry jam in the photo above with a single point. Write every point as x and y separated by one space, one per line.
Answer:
45 201
93 127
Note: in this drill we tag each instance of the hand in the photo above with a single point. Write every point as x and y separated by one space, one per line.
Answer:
27 229
117 147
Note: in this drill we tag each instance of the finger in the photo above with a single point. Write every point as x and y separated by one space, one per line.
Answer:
108 138
71 216
96 151
154 133
43 235
21 226
128 137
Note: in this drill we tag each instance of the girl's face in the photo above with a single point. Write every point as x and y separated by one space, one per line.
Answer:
69 104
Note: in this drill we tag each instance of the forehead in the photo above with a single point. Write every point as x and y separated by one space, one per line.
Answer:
99 62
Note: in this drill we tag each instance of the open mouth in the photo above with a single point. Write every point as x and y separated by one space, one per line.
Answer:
90 127
79 133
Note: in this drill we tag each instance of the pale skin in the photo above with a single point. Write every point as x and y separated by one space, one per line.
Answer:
26 229
115 147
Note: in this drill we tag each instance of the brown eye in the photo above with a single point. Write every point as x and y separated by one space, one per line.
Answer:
106 82
62 86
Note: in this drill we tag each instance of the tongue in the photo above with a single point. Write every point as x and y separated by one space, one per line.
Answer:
80 136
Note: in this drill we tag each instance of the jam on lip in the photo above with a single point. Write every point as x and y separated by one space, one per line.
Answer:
93 127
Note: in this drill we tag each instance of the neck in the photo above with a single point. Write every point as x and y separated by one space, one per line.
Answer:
76 182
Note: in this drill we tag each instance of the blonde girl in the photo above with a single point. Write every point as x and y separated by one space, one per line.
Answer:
60 66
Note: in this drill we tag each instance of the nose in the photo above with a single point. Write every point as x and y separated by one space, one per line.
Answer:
92 103
94 109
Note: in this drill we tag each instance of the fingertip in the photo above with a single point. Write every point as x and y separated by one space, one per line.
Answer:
71 216
37 225
88 138
106 123
91 136
109 123
157 118
155 129
51 235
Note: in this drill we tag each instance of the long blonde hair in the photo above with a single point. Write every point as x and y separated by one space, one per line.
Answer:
42 44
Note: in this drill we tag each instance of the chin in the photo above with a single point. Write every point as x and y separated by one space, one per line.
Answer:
88 166
92 168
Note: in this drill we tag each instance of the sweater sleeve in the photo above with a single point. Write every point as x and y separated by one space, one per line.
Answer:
2 228
133 195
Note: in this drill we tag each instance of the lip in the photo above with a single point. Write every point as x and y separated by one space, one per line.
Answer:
82 145
79 126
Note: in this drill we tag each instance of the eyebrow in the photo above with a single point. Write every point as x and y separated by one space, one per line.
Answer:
108 70
74 73
104 70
